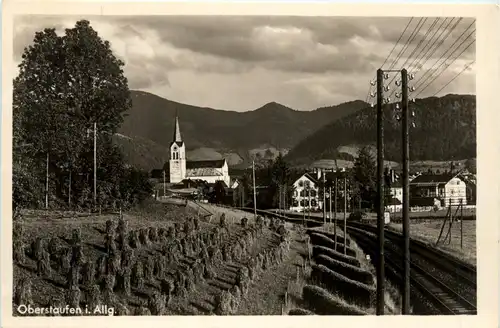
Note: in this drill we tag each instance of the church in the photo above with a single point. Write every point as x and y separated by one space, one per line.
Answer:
210 171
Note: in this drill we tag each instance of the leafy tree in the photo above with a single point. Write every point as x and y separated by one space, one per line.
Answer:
364 177
470 165
219 193
281 185
65 84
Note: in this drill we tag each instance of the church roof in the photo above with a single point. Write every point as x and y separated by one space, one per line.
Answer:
178 143
202 172
177 130
218 163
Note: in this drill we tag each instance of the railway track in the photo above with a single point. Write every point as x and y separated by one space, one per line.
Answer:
447 299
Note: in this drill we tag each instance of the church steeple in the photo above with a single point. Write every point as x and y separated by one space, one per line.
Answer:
177 131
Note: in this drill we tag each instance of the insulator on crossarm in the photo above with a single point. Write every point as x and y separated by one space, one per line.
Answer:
386 76
412 113
398 83
411 76
373 83
387 88
372 105
397 95
372 94
388 100
411 89
398 118
413 125
397 106
412 100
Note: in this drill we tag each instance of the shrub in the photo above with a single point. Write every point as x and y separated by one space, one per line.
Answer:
177 229
110 227
167 288
120 309
188 228
198 271
299 311
143 236
77 255
350 271
196 222
142 311
236 297
110 245
244 222
162 233
156 303
76 237
351 290
88 273
317 250
259 223
102 266
159 266
109 283
223 221
189 280
73 276
324 303
149 269
134 239
153 234
73 297
226 254
122 231
127 257
171 233
236 253
54 247
138 275
124 278
209 272
37 248
114 264
93 296
180 284
22 293
19 251
242 280
223 303
322 240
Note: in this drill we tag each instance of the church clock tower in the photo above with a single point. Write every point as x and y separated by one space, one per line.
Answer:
177 161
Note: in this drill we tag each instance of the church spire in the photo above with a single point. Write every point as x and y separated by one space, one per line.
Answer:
177 132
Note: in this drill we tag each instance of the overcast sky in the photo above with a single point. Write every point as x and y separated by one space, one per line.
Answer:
241 63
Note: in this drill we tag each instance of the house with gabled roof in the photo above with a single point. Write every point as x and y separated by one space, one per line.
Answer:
429 190
306 193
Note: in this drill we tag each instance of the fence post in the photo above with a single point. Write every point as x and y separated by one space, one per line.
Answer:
461 225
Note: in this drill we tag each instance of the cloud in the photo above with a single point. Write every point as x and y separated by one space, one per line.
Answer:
242 62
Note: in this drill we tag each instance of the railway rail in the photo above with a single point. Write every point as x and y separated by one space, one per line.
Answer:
447 299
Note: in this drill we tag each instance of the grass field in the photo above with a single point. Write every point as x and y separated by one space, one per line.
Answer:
429 231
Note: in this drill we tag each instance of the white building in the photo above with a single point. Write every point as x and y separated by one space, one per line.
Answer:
445 188
210 171
305 195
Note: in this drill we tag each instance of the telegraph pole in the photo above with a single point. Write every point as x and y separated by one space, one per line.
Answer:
164 184
380 193
47 184
254 193
330 199
406 191
324 199
335 213
345 212
95 165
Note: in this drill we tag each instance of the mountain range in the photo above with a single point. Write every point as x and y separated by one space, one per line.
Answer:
333 132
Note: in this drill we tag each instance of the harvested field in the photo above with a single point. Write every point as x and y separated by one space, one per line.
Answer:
169 262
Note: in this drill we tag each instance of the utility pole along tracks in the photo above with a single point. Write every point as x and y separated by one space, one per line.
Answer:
445 298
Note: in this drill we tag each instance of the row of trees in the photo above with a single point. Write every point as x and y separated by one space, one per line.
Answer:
66 84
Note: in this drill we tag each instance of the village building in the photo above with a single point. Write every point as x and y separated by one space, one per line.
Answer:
305 194
210 171
433 190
